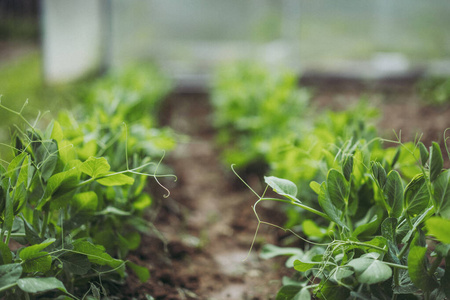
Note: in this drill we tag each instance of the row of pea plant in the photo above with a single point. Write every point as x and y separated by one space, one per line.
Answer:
336 146
73 198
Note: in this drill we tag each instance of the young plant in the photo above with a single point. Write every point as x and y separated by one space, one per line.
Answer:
376 235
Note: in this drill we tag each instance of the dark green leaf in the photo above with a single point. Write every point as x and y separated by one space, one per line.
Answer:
442 194
416 195
5 254
396 157
337 188
96 254
445 280
331 210
36 285
436 161
330 290
77 264
379 173
424 155
281 186
417 269
9 274
293 292
394 194
370 223
63 180
347 167
47 157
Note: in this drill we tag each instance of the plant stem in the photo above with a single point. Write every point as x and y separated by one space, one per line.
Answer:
6 287
45 223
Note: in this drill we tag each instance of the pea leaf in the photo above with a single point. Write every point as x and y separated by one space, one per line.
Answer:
47 157
424 155
442 194
96 254
315 186
112 179
293 292
36 285
347 166
436 161
36 260
86 201
95 167
5 254
379 173
281 186
9 274
142 273
417 269
370 271
270 251
416 195
303 266
394 194
75 263
440 228
332 211
337 188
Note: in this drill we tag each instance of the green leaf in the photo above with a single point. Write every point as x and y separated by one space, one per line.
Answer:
63 180
394 194
95 167
347 167
112 179
36 260
270 251
379 173
315 186
396 157
143 201
36 285
47 157
442 194
96 254
440 228
370 223
424 155
331 210
86 201
281 186
57 132
30 251
75 263
416 195
436 161
303 266
331 290
142 273
293 292
337 188
9 274
5 254
418 271
370 271
445 280
311 229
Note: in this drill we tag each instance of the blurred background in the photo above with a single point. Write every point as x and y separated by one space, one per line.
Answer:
187 39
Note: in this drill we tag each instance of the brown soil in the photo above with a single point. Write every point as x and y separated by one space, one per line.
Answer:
208 223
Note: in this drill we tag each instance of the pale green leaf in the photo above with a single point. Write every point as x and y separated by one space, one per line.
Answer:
9 274
370 271
86 201
115 179
440 228
142 273
283 187
36 285
95 167
303 266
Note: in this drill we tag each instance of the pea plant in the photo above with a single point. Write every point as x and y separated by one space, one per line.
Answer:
376 234
74 196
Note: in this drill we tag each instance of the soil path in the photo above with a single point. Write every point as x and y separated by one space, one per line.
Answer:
207 221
